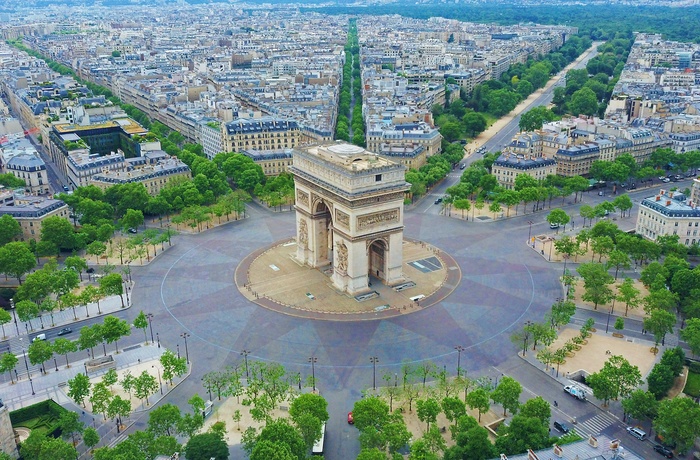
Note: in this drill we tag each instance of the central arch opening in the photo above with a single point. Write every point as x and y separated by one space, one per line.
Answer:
377 259
324 234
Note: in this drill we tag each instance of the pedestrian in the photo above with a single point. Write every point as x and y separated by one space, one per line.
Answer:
556 404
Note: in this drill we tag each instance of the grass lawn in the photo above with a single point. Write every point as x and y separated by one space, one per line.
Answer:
692 386
490 119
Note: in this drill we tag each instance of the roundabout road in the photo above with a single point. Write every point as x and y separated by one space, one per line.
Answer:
190 289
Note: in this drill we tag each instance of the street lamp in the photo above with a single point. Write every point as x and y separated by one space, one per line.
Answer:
14 313
177 346
459 349
313 360
55 363
526 335
160 383
24 354
607 324
374 360
158 338
299 379
184 335
150 324
31 384
245 354
529 232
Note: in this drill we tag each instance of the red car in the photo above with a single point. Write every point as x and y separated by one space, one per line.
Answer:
351 420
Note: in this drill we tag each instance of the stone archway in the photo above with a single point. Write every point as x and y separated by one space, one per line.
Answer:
377 252
349 209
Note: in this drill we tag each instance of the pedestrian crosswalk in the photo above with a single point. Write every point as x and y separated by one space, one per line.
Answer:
595 425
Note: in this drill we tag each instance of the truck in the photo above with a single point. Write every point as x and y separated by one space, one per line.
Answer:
576 392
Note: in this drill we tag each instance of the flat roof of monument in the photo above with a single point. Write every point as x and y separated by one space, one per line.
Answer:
349 156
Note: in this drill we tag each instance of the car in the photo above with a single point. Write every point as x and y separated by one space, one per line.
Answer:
662 177
462 166
66 188
601 193
666 180
554 226
351 419
663 450
438 200
39 337
623 185
561 427
65 331
637 432
90 270
133 230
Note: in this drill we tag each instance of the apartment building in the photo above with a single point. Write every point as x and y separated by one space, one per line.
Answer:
402 135
576 160
264 133
508 166
19 158
668 214
272 162
155 170
29 212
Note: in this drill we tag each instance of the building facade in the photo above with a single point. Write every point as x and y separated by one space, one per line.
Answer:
265 133
668 214
154 174
30 212
507 167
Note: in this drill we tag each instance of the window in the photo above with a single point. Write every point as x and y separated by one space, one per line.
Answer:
378 178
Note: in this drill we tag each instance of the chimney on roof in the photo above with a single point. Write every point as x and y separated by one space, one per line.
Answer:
658 198
668 202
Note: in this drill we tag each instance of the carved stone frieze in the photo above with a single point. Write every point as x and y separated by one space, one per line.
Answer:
374 219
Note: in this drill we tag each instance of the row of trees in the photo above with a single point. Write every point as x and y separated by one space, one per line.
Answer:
351 89
625 168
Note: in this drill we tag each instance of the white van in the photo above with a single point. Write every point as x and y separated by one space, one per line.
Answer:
637 433
39 337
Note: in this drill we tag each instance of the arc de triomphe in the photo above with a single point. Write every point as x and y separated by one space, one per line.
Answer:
349 214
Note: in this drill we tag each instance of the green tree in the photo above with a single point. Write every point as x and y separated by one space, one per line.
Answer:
678 420
479 400
618 378
97 248
163 420
208 446
100 398
114 329
77 264
16 260
596 282
537 408
558 217
58 231
172 365
309 403
70 424
112 285
659 323
9 229
660 380
427 410
144 386
8 362
628 294
507 394
132 219
79 388
691 335
141 322
640 405
91 437
62 346
39 352
584 102
623 203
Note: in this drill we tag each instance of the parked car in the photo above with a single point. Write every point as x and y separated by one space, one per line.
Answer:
65 331
663 450
133 230
637 432
351 419
561 427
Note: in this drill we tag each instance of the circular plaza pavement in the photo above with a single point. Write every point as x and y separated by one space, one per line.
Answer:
501 284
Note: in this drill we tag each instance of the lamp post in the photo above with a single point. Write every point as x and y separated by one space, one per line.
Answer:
160 383
177 346
31 384
607 324
150 324
299 379
313 360
184 335
158 339
14 313
245 354
374 360
24 354
85 365
459 349
526 335
529 232
104 348
55 364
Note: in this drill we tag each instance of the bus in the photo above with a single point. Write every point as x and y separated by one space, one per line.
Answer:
317 449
